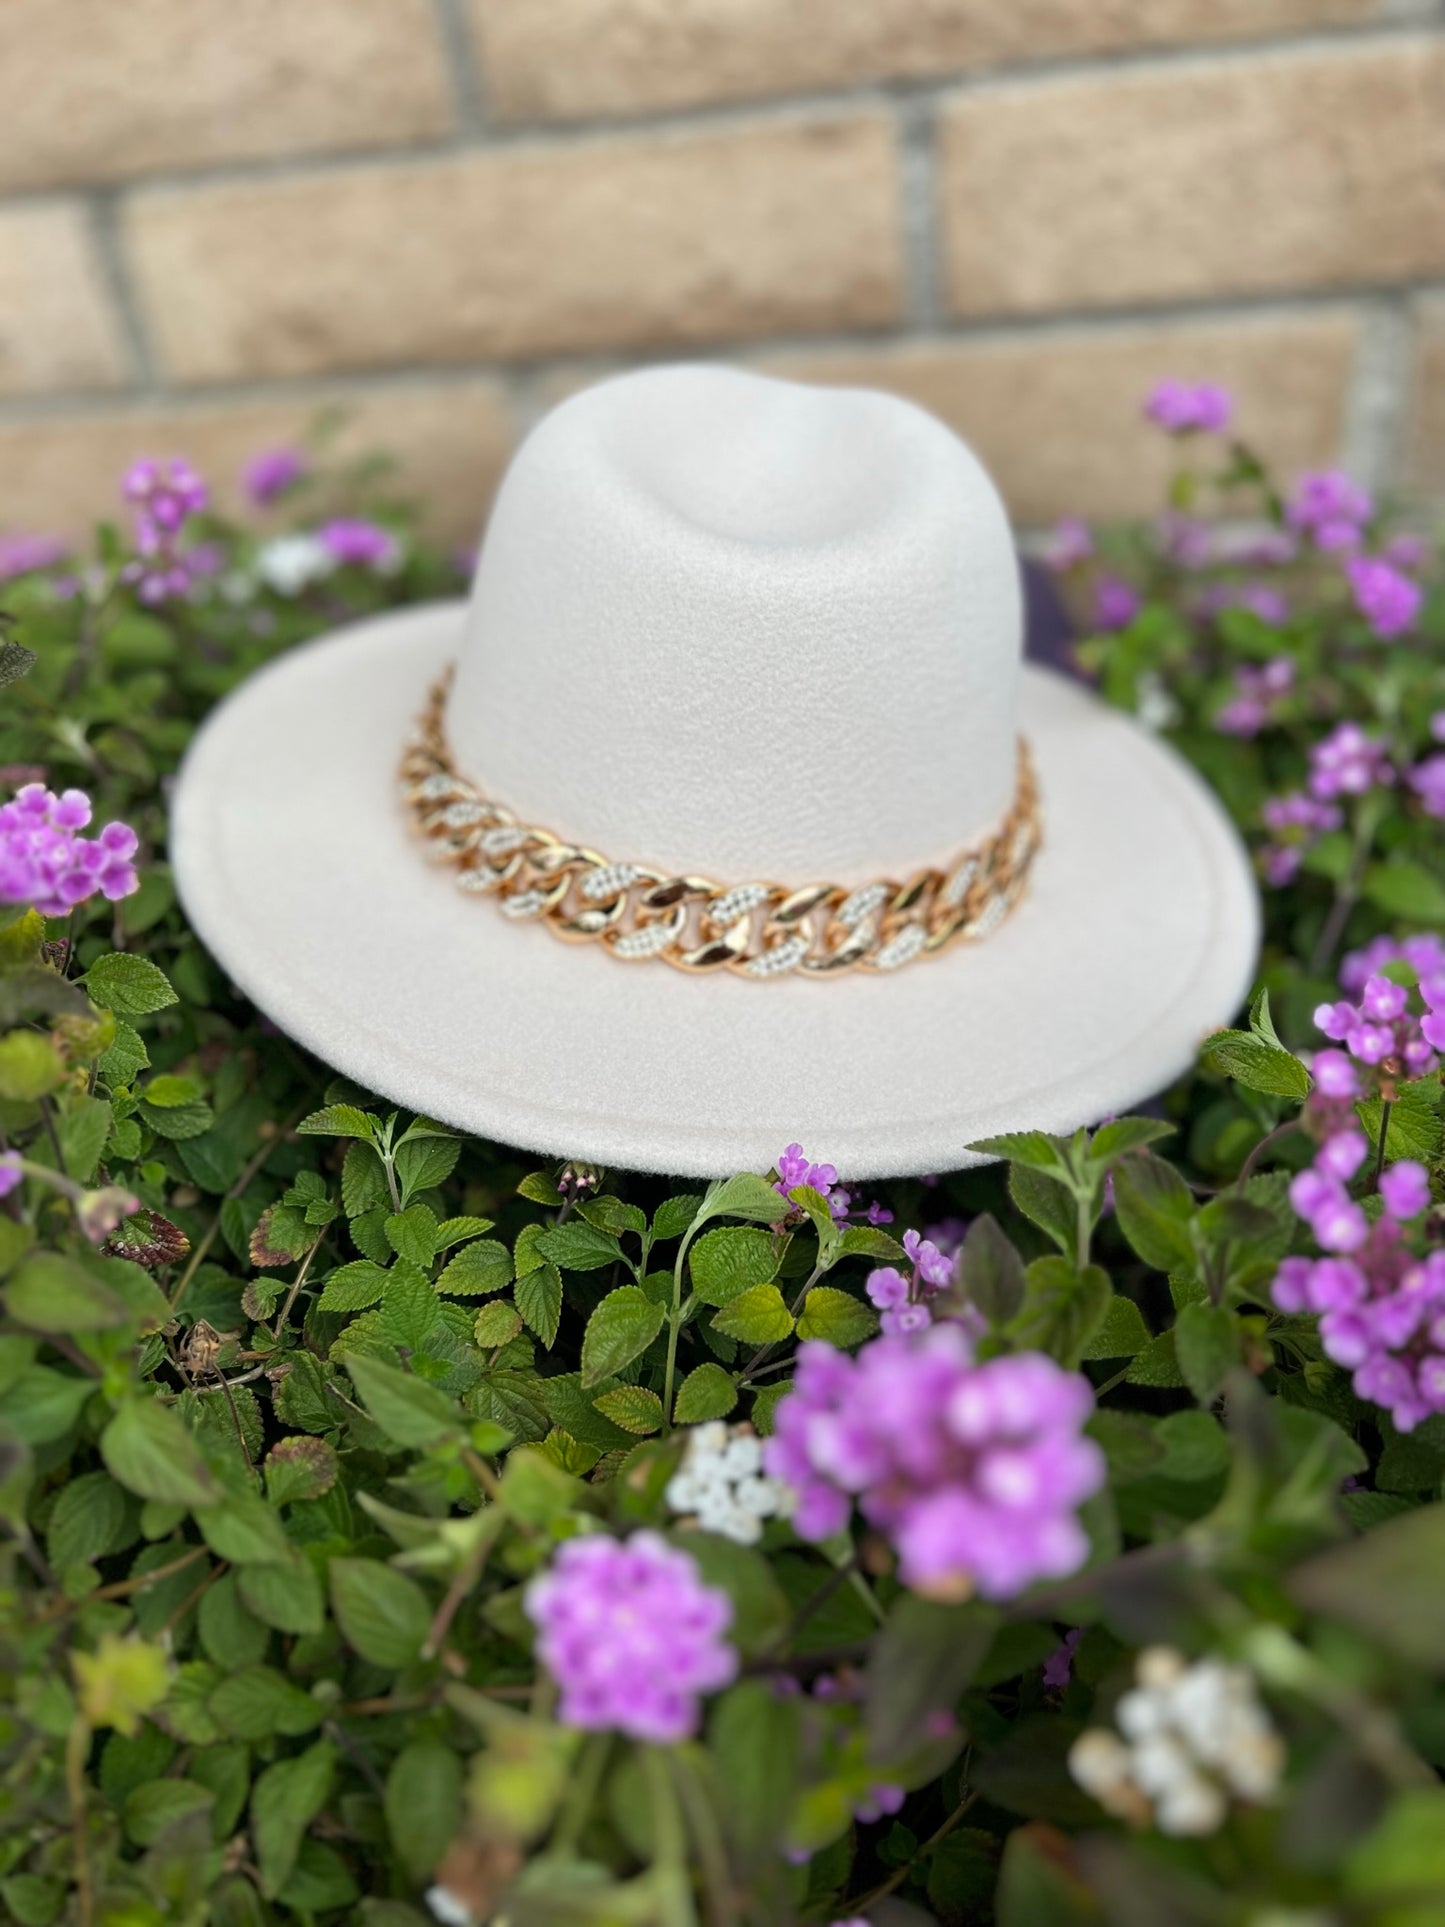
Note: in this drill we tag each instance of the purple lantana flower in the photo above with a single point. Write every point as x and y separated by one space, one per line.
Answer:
632 1635
45 862
270 474
1348 762
1184 407
1329 508
1388 600
1116 603
366 544
22 554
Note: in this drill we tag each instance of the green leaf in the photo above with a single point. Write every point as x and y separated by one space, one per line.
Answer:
758 1317
230 1633
410 1411
621 1326
258 1702
673 1216
481 1267
754 1738
1404 889
409 1306
285 1800
425 1162
1155 1209
1259 1066
866 1241
577 1246
1063 1308
707 1392
539 1300
336 1120
381 1612
1195 1447
1415 1128
1033 1148
423 1805
990 1271
125 1057
30 1066
1046 1203
42 1404
244 1529
496 1324
1386 1585
747 1196
354 1287
287 1597
52 1293
412 1234
1206 1339
455 1231
1399 1867
87 1520
921 1661
1122 1332
129 985
152 1454
540 1189
1123 1134
731 1260
837 1317
632 1407
1157 1364
82 1130
613 1216
159 1804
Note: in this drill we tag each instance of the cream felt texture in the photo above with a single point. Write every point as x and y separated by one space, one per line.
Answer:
731 626
753 628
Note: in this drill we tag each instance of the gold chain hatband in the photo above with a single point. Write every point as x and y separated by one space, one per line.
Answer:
756 929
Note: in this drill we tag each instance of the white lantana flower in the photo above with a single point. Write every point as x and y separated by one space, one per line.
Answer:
1192 1738
722 1483
290 563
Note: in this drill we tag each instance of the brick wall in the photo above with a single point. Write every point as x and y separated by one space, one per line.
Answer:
442 214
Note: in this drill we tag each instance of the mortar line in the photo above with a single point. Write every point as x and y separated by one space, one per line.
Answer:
462 58
921 230
103 221
799 108
1378 396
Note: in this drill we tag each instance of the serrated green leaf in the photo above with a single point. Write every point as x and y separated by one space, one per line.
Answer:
496 1324
990 1271
1123 1134
424 1162
612 1215
409 1305
1404 889
258 1702
1157 1364
577 1246
1122 1332
148 1449
731 1260
747 1196
423 1807
456 1231
1206 1344
538 1295
837 1317
285 1800
131 986
354 1287
1046 1203
1155 1209
382 1613
1063 1308
52 1293
757 1317
1258 1065
408 1410
1034 1148
540 1189
632 1407
866 1241
621 1327
707 1392
412 1234
481 1267
336 1120
673 1216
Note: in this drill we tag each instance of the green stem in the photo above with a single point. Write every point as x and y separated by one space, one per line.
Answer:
707 1834
674 1327
1385 1109
581 1794
1347 892
1083 1201
77 1748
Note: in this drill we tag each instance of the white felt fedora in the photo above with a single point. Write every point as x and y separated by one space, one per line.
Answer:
728 628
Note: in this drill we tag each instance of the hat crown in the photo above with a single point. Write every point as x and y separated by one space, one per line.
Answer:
739 627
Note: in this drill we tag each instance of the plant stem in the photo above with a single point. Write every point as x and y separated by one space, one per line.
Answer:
897 1878
1271 1138
1347 892
582 1792
703 1825
296 1285
674 1327
772 1345
1385 1109
77 1746
253 1165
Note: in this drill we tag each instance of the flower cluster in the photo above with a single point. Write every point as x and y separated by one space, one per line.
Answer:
1256 691
46 862
1189 1738
1296 822
22 554
164 495
1183 407
721 1482
631 1635
1381 1307
974 1472
903 1302
1388 600
272 474
1329 510
1348 762
795 1168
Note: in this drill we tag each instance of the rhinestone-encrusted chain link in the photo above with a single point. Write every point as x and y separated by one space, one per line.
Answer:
758 930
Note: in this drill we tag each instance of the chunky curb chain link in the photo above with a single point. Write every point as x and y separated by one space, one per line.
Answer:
757 930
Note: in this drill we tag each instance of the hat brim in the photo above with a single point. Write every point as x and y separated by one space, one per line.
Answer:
1137 935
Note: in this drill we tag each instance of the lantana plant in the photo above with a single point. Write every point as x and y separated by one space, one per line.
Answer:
394 1530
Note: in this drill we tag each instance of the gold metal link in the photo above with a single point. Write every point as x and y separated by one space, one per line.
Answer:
758 930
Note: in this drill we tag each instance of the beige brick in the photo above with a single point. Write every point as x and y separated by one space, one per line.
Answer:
555 59
1316 170
1055 414
683 239
450 441
1425 439
101 90
56 327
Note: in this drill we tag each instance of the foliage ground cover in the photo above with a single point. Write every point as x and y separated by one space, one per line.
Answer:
393 1529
